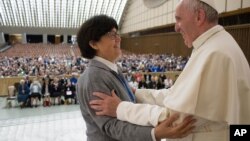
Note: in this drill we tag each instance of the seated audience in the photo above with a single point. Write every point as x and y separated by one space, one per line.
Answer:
56 90
35 92
69 93
23 93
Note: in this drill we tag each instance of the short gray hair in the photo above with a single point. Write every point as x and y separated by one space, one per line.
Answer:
211 13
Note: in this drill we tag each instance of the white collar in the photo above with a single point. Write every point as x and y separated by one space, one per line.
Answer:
206 35
109 64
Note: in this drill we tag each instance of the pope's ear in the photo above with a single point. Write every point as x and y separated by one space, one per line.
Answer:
93 44
201 17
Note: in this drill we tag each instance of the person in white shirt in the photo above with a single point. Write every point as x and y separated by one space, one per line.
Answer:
214 86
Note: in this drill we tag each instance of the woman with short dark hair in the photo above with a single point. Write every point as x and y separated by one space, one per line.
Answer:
92 31
99 41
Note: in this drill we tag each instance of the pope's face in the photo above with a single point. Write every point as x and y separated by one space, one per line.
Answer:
185 24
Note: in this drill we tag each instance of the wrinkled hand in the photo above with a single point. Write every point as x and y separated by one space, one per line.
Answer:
106 105
166 129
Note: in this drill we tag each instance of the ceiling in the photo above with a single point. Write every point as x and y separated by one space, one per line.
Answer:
56 13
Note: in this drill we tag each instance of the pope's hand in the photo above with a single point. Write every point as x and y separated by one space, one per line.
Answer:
106 105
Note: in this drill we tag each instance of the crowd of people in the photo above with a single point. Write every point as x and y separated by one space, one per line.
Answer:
47 91
59 65
152 62
134 66
57 90
40 66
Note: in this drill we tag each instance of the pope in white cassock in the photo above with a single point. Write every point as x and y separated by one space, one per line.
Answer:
214 86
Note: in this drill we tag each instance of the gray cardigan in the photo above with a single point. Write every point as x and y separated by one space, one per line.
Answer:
98 77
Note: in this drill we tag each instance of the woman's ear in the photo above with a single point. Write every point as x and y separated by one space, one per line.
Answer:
93 44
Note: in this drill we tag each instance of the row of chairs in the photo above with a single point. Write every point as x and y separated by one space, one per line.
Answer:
41 50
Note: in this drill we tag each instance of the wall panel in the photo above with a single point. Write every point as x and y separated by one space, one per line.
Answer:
157 44
241 33
246 3
233 5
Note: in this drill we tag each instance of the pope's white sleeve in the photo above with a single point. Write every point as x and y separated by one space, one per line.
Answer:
141 114
152 96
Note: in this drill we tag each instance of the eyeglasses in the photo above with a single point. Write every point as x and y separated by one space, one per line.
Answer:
112 35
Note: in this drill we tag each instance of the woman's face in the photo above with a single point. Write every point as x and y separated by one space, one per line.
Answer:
108 47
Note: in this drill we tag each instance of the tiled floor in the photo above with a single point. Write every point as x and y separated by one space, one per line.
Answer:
56 123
